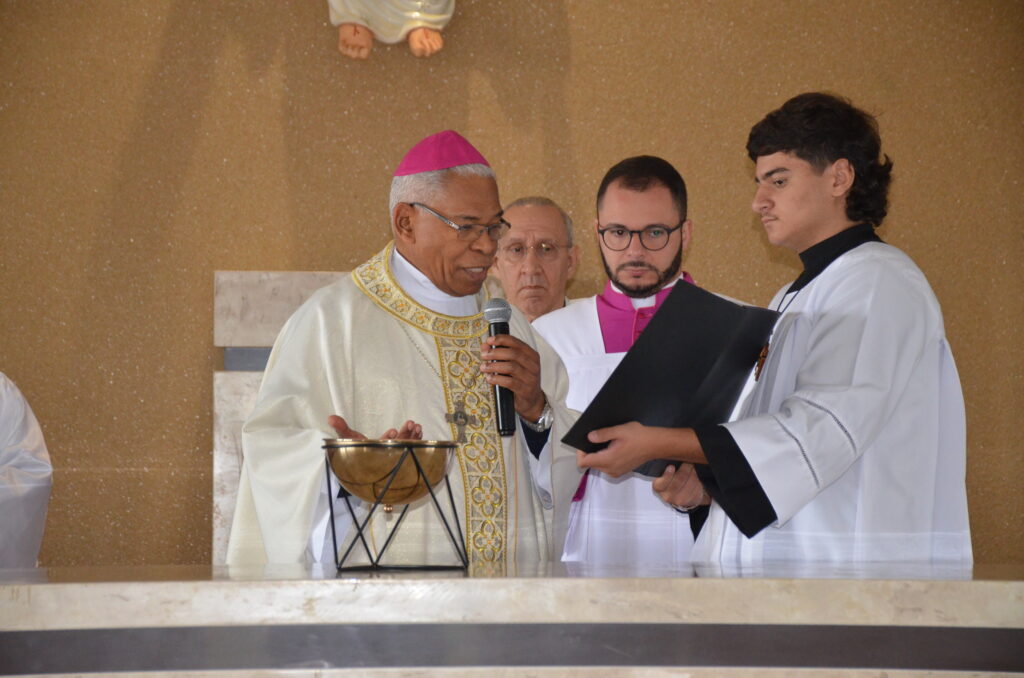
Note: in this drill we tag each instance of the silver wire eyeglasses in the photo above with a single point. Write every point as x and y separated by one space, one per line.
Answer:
653 238
494 231
545 251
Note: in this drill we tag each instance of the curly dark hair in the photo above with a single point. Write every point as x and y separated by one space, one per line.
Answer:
822 128
641 172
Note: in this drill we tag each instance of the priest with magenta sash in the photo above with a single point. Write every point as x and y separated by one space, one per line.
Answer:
643 232
399 349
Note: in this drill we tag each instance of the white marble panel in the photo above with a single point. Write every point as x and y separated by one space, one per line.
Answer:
234 395
407 600
250 307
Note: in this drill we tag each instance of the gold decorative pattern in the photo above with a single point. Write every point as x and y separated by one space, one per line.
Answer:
374 278
481 458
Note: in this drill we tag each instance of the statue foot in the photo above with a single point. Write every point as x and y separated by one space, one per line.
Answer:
355 40
425 41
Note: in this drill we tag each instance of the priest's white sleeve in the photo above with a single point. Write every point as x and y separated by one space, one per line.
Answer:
555 473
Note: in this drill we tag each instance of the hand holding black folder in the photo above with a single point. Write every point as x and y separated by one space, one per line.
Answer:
687 369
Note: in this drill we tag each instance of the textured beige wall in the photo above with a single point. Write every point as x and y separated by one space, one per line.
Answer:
147 144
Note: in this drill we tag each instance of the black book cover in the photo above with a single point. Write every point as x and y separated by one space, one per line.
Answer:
687 369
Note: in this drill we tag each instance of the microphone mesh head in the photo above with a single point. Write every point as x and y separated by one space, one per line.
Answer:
497 311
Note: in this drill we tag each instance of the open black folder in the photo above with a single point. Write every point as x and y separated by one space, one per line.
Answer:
687 369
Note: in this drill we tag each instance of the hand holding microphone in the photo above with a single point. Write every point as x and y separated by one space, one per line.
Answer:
513 370
497 313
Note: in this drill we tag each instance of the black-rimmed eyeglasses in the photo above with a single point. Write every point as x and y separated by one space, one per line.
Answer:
494 231
653 238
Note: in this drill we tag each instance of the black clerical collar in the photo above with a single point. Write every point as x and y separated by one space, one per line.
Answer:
816 258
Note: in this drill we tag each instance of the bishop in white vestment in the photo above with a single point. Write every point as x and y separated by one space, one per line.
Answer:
400 340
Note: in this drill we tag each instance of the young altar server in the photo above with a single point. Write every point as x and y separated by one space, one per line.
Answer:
403 339
851 446
643 233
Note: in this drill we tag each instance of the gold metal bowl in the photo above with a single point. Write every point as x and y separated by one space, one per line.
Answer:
364 466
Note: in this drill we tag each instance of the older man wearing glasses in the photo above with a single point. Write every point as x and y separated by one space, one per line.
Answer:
400 349
643 233
537 257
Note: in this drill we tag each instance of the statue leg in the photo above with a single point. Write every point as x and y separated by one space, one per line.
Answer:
355 40
425 41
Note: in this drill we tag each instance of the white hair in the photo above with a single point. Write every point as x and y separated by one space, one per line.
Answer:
540 201
426 186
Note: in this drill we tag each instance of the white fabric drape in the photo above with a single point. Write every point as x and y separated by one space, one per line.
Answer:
856 429
25 478
392 20
618 520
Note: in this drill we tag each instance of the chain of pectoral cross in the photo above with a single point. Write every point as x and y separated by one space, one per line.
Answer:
767 345
458 416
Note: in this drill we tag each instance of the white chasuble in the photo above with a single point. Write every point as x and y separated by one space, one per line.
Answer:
366 350
855 429
618 521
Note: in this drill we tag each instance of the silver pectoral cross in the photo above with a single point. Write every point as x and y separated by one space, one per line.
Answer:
460 418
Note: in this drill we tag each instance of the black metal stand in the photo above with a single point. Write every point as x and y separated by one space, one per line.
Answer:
360 536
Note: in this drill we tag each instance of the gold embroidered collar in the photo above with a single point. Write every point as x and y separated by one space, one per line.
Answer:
374 278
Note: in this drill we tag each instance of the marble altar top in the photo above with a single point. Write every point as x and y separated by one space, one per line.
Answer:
68 598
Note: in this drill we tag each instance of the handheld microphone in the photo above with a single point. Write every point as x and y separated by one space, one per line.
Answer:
497 313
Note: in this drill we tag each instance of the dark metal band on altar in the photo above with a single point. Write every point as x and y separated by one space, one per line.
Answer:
369 646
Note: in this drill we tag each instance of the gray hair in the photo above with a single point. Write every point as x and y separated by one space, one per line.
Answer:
540 201
426 186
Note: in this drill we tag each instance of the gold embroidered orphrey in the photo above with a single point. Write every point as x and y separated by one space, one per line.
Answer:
470 410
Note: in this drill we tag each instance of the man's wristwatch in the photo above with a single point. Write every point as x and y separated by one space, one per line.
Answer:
543 423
